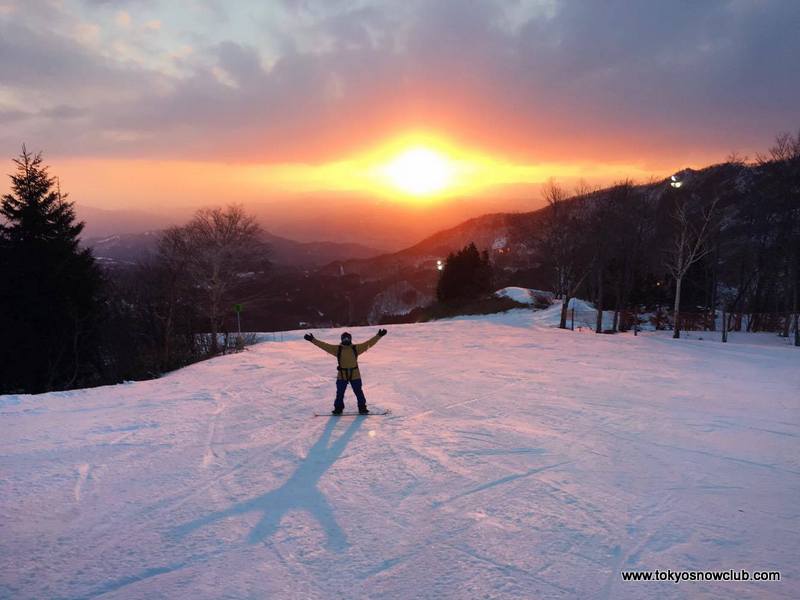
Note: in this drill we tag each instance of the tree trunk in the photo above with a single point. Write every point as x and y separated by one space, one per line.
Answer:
167 339
796 329
599 325
755 305
215 293
714 294
795 284
676 333
167 350
214 333
564 312
793 303
569 294
75 351
213 313
724 327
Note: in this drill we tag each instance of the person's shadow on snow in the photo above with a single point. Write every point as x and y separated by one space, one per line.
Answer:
300 492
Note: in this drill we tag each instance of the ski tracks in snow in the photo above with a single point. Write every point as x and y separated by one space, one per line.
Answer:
83 475
519 462
210 453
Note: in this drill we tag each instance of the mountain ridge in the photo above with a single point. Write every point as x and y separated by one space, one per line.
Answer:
130 248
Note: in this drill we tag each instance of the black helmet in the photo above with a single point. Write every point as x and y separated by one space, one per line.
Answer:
347 339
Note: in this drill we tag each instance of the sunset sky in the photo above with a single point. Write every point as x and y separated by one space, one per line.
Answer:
162 106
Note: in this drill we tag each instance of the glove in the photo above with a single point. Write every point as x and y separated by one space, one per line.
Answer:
382 332
309 337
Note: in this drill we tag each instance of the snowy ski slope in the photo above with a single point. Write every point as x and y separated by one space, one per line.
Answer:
520 461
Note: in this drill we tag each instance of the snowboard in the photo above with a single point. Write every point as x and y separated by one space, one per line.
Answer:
351 413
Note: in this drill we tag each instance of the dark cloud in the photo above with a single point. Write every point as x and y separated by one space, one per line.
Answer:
49 62
609 80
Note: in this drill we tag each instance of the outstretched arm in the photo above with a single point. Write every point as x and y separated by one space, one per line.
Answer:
364 346
329 348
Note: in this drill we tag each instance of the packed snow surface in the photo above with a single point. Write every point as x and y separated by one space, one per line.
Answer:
519 461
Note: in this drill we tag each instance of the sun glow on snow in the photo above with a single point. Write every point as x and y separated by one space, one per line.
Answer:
420 171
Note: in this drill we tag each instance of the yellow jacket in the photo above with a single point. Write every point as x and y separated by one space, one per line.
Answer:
348 360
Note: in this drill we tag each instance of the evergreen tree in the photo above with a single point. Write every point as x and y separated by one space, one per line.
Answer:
467 275
50 286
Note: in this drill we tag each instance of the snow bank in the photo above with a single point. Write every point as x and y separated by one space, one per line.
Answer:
526 295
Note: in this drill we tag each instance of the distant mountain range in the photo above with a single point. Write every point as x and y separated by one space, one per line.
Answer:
506 235
495 232
330 283
130 248
387 225
512 239
510 236
103 223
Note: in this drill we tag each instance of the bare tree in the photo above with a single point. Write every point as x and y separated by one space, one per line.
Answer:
562 242
606 235
689 246
217 245
785 149
171 270
627 231
783 163
735 158
555 238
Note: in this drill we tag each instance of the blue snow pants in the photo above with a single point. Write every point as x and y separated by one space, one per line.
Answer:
341 386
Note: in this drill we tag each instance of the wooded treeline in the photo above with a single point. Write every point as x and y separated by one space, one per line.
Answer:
726 239
67 324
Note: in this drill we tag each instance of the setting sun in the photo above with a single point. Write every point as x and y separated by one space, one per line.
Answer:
420 172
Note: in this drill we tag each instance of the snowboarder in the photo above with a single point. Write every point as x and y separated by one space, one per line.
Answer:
347 355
